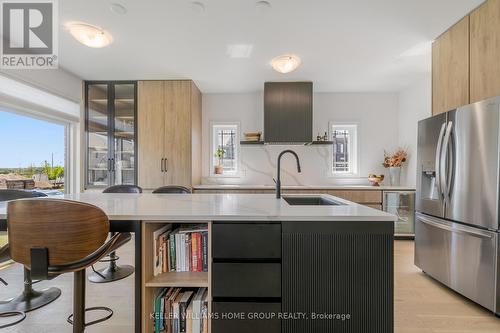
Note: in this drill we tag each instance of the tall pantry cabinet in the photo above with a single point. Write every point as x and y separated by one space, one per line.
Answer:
169 133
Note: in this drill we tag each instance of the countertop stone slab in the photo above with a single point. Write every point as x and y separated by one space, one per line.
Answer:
219 207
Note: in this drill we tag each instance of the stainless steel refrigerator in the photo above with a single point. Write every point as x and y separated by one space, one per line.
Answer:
457 220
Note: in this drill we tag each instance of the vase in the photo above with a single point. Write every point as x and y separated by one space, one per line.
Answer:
394 176
218 169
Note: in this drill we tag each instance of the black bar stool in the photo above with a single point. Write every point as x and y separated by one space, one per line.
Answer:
30 299
19 316
54 236
172 189
114 272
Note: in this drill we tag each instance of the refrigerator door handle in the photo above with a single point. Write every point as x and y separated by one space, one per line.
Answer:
452 229
438 160
446 164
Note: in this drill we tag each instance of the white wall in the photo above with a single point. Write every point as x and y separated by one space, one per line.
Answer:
55 81
375 113
414 105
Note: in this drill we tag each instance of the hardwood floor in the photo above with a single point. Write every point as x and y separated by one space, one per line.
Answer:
422 305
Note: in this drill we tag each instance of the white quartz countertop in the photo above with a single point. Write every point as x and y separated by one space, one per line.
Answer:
219 207
303 187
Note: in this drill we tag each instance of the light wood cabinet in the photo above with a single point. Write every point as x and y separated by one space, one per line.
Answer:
485 51
450 68
151 134
465 60
169 133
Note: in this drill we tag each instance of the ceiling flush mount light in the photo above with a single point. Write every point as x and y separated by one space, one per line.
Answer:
263 6
285 63
198 7
239 50
118 8
89 35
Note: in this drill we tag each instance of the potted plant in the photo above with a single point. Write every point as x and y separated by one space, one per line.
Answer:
219 153
394 162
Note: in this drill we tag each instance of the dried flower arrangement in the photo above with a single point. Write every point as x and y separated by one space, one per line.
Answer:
395 159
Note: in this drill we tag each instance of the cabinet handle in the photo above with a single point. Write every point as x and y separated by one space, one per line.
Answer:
166 164
113 164
109 164
161 165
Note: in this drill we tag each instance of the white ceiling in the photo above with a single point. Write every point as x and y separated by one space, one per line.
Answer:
345 45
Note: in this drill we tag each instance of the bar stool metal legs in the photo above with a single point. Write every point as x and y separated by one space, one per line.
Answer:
77 319
113 272
30 299
21 316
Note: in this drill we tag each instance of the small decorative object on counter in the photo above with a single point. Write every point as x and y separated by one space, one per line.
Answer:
253 136
394 161
318 137
325 137
219 153
375 180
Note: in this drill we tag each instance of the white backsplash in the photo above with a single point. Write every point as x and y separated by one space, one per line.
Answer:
375 113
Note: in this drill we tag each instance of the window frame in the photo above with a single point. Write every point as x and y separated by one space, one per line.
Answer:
214 124
353 127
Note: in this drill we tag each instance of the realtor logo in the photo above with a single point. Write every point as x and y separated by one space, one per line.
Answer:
29 34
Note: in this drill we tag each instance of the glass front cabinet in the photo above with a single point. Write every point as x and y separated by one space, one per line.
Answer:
110 133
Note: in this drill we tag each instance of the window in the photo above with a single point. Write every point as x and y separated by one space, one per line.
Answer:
225 149
345 149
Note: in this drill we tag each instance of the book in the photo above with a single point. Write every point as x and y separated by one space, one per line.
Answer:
194 249
157 248
205 251
199 255
187 253
183 304
189 318
204 313
163 308
191 228
197 303
176 313
164 254
178 255
172 252
157 310
167 264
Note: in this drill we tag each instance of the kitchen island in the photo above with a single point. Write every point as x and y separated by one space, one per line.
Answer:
331 266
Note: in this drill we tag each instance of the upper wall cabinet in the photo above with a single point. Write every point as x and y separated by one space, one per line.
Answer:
450 68
485 51
169 133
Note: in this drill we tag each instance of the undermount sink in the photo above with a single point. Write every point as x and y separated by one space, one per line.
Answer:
311 201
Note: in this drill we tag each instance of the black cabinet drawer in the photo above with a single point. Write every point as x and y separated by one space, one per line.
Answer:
234 317
246 279
246 241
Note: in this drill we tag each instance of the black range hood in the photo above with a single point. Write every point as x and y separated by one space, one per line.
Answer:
288 112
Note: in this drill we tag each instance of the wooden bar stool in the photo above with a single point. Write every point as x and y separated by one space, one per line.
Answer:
18 316
172 189
30 299
54 236
114 272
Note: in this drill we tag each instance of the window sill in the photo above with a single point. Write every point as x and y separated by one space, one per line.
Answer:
224 176
344 175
